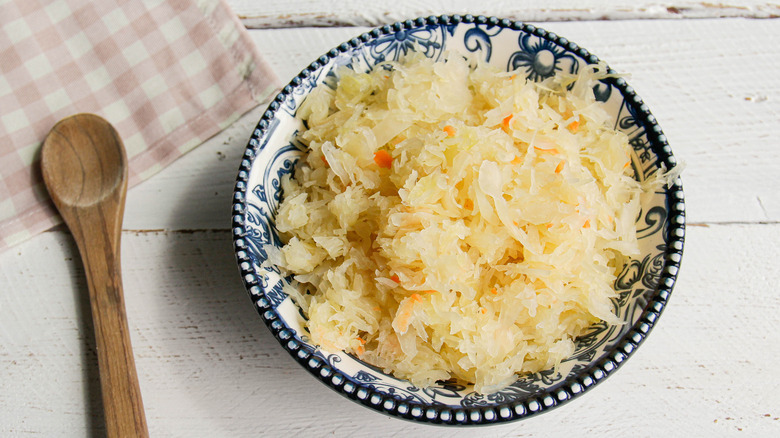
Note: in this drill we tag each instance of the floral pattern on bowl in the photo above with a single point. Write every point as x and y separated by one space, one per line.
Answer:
644 286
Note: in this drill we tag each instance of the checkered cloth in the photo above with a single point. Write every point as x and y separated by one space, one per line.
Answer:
167 74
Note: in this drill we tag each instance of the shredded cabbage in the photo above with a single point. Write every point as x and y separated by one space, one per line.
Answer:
453 221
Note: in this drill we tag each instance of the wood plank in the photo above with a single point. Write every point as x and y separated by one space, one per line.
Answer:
208 367
277 13
712 88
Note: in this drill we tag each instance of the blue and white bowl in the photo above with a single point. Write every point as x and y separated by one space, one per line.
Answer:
643 287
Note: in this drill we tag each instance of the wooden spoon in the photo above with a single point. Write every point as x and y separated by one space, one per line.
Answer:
85 170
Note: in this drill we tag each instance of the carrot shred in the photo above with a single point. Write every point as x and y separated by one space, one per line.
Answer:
517 160
468 204
395 278
627 164
382 158
493 291
450 130
559 167
483 310
551 150
505 123
586 224
324 160
361 340
430 291
573 126
405 312
512 78
549 226
360 350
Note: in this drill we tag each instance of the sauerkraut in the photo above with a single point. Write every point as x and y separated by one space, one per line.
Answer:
454 221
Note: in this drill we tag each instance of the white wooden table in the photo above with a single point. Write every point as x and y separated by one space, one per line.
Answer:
209 368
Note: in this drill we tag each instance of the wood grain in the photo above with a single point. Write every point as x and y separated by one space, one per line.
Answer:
268 14
84 166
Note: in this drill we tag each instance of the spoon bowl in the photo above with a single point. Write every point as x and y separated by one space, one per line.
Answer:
78 167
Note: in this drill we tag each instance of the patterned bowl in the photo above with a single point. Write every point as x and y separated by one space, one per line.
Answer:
643 287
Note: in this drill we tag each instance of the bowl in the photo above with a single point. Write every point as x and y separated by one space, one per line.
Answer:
644 286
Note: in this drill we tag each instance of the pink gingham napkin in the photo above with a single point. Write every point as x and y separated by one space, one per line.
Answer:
167 74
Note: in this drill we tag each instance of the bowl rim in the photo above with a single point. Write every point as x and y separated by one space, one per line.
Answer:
568 388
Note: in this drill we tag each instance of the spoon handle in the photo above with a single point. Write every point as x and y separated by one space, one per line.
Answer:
97 231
